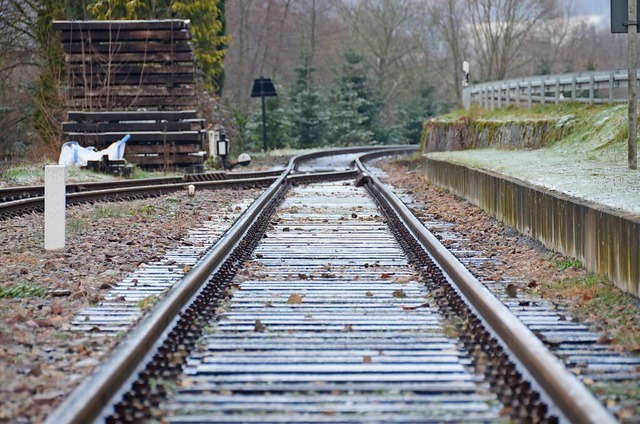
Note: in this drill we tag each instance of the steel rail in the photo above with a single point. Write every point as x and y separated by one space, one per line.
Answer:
34 204
91 192
88 401
574 401
21 192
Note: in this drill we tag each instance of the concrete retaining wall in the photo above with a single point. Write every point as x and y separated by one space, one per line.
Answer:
463 134
604 240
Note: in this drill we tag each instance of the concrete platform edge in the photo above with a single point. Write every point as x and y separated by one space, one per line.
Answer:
605 240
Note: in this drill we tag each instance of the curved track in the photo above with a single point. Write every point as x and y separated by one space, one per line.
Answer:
347 333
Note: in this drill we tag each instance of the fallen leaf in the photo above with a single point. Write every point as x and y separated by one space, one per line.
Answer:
347 328
399 293
366 359
369 294
385 276
294 299
604 339
259 327
413 308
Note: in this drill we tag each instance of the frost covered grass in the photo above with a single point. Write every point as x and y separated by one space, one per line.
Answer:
33 174
589 161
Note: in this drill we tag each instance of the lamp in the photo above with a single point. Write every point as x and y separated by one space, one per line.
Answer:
263 87
223 144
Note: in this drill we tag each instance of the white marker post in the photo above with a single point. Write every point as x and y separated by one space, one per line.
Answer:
54 207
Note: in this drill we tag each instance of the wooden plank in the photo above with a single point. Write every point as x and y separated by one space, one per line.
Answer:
119 79
128 127
124 35
156 148
64 25
131 115
129 69
128 47
161 103
131 91
178 159
137 57
157 137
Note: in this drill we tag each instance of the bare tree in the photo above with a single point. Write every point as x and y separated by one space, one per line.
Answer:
453 36
385 28
500 30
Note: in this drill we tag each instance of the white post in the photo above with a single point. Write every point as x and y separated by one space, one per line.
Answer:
632 83
54 207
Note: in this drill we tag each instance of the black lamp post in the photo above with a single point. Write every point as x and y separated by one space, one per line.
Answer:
263 87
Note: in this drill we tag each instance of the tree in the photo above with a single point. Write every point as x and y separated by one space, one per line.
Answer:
500 30
385 27
410 117
307 114
207 27
354 112
31 57
446 17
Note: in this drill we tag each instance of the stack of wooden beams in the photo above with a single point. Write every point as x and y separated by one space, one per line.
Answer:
135 77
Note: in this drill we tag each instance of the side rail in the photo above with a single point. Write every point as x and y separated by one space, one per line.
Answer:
583 87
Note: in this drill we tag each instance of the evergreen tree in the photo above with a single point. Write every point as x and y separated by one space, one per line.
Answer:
358 103
347 123
409 119
307 112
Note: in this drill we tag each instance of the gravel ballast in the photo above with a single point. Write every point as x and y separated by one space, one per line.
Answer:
41 291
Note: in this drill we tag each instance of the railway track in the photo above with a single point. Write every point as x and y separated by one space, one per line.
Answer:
16 201
346 310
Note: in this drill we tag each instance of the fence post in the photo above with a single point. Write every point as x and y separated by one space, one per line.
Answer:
466 98
611 87
557 99
591 89
529 101
573 88
508 93
499 92
543 91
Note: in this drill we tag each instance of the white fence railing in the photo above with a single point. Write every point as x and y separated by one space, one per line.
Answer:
585 87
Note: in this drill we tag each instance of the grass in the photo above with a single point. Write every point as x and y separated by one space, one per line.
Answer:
33 174
566 263
22 290
147 302
595 299
80 224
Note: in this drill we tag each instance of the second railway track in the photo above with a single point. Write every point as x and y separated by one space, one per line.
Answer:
331 320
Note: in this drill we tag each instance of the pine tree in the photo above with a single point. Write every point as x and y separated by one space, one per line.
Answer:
307 112
347 122
410 118
354 82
